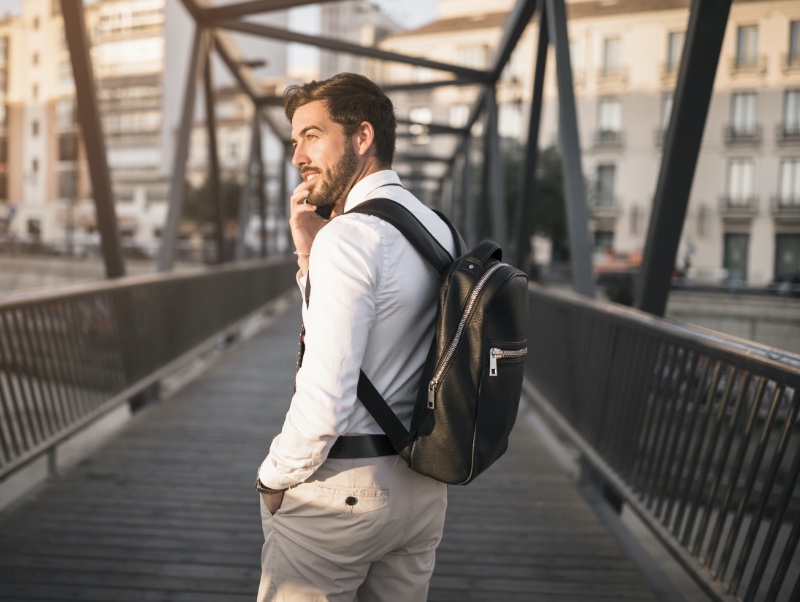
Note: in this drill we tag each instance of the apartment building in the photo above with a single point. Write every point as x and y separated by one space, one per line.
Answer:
743 217
140 52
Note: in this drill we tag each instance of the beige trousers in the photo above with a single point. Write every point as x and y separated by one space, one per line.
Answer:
364 530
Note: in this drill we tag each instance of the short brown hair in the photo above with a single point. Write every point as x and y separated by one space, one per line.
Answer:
350 99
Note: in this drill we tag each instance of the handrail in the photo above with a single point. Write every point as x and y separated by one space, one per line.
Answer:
69 355
697 431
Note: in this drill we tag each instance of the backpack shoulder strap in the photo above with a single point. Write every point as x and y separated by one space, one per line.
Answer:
408 225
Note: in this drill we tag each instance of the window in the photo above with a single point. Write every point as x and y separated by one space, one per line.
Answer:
576 56
65 81
3 187
67 185
746 46
234 146
743 114
36 22
34 128
475 57
603 240
791 112
675 41
459 115
794 43
3 115
35 165
34 227
3 151
35 91
68 147
35 58
735 255
787 254
789 183
612 56
666 110
420 115
3 80
65 113
741 182
3 49
604 191
609 116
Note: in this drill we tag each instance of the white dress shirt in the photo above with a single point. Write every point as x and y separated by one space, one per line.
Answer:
372 307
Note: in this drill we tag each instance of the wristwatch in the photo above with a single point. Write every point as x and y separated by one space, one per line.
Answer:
261 488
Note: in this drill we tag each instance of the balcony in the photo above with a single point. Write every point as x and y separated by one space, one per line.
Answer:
738 206
743 134
609 139
749 65
786 206
669 72
791 63
603 205
610 76
788 133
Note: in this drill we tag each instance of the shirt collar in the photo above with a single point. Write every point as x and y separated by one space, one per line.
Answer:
366 186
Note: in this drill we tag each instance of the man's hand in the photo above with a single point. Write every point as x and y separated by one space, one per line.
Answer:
273 501
303 222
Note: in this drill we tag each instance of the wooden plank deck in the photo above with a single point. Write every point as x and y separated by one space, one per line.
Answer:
167 512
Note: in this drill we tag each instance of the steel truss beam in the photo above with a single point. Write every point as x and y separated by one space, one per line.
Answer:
234 11
177 187
213 158
580 246
532 147
92 131
285 35
707 22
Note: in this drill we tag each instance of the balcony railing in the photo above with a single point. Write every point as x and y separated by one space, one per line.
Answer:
753 65
790 62
786 205
609 139
788 133
736 206
612 75
740 134
604 205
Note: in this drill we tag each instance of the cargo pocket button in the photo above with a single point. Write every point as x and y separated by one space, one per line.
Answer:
351 501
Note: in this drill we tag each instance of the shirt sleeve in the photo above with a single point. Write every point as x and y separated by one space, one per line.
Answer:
345 266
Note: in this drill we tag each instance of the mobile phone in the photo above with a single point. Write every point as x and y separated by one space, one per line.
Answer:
324 211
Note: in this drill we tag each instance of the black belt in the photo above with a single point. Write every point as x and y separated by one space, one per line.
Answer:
361 446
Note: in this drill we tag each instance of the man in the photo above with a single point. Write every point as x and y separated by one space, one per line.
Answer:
342 514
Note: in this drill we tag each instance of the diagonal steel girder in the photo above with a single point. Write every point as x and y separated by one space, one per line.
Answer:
92 132
708 20
285 35
242 9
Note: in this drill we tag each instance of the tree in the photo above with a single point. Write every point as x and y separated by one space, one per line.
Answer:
199 209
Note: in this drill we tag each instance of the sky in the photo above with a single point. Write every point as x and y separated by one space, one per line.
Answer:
410 13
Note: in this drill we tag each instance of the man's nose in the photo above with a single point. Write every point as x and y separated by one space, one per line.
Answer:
299 157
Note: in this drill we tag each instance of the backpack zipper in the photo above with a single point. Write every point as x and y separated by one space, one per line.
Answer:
496 354
448 356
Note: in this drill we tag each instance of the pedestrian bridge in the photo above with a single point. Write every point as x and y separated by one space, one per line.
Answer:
694 432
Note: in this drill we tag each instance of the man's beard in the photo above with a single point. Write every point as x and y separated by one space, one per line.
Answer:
335 183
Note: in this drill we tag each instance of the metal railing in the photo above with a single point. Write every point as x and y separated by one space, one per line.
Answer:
696 431
71 355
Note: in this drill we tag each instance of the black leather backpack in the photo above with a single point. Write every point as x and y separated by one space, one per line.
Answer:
472 380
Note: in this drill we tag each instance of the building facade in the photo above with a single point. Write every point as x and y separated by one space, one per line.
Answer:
743 219
140 54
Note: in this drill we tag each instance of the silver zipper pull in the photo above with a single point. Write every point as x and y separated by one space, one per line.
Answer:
493 361
431 394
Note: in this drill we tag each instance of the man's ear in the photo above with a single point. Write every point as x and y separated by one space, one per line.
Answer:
364 139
